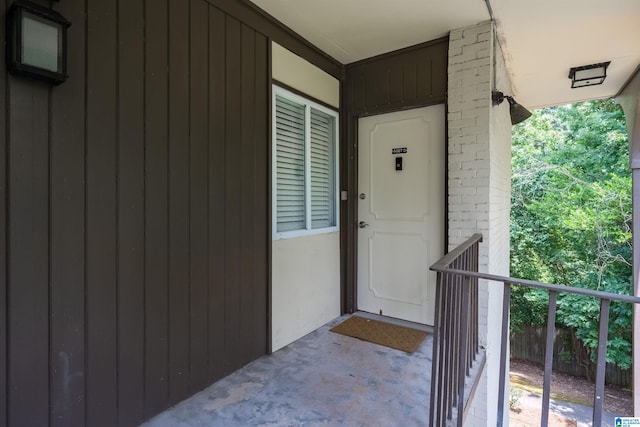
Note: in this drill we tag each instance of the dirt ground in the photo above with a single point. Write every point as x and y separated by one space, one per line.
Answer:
531 418
578 390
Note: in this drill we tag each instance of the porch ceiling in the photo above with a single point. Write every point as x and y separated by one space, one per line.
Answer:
541 39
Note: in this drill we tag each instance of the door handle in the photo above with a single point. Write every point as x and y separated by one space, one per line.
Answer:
363 224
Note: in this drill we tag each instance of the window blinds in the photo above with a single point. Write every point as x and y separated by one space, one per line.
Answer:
290 149
322 173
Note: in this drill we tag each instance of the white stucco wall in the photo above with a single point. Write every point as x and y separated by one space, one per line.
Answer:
306 285
479 185
305 273
289 68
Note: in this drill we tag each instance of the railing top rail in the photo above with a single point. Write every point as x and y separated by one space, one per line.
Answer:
455 253
441 267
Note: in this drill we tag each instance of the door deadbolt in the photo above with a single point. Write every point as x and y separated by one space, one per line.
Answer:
363 196
363 224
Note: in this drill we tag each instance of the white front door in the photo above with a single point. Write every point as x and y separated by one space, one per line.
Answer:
401 211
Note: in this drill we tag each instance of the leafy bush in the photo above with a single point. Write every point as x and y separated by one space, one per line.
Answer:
571 218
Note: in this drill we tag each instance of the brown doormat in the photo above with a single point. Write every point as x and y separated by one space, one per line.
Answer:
394 336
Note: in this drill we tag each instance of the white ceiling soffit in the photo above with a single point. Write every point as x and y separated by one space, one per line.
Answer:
542 39
351 30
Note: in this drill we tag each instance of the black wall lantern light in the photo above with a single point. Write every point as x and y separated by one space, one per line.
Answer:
518 112
588 75
37 42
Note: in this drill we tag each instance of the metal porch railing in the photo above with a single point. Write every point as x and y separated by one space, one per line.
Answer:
455 338
456 335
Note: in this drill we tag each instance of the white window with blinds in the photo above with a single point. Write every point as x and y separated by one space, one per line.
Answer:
305 166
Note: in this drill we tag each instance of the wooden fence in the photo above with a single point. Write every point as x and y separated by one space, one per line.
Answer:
569 355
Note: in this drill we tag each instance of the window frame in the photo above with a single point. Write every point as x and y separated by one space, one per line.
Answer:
308 104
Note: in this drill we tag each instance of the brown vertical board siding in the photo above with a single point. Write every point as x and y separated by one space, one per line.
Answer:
233 196
439 64
351 100
3 230
101 304
178 201
28 343
348 209
384 86
67 232
198 200
407 78
410 82
130 235
247 192
424 82
156 363
253 16
371 83
357 88
217 171
261 217
138 228
397 85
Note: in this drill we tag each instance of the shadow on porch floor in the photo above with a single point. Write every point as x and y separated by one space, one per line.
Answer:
322 379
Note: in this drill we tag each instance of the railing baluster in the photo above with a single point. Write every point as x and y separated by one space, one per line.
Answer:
446 368
602 361
548 357
445 351
466 296
474 267
506 298
438 349
433 398
455 355
468 310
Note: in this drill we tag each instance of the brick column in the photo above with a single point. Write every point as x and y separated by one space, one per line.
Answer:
468 126
479 167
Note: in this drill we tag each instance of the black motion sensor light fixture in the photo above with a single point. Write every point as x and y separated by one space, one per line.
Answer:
518 112
588 75
37 42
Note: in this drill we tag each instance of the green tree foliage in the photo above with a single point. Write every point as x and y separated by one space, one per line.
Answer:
571 218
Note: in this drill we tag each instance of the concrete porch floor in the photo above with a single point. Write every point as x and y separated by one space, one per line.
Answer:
323 378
